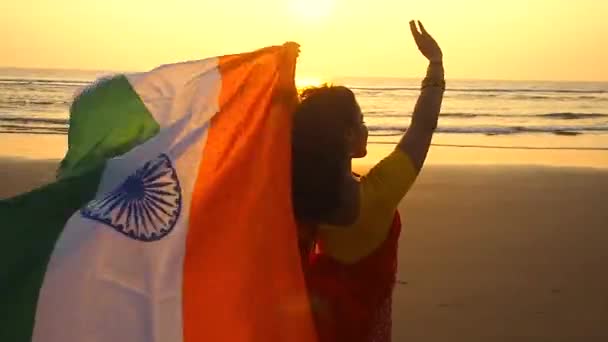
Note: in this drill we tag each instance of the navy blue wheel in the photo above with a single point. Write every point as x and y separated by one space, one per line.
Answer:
146 206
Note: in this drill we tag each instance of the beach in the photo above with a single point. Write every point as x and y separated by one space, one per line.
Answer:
504 253
488 252
182 232
505 232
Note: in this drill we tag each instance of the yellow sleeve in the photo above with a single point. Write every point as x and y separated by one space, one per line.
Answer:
381 191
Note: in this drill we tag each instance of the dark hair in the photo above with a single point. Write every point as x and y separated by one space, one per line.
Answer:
320 155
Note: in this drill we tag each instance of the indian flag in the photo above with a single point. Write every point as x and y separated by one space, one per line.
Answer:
186 235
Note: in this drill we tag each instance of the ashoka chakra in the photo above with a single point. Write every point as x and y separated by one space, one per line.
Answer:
145 206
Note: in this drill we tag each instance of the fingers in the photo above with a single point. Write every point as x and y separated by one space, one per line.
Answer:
292 50
415 33
414 30
422 29
286 93
292 45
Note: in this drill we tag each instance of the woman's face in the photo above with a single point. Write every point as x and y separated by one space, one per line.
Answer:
357 136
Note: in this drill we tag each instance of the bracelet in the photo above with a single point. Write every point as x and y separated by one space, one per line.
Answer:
433 83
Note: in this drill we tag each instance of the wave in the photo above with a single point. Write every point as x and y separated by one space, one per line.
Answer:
34 102
573 116
494 130
29 121
465 115
61 126
489 90
27 81
526 97
34 128
45 132
564 115
561 115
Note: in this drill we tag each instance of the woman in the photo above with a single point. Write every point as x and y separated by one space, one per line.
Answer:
349 227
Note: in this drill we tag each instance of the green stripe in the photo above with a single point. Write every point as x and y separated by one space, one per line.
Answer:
29 228
106 120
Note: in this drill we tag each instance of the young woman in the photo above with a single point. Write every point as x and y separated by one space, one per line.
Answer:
349 226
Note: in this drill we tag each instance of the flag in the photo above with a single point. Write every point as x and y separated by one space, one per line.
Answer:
187 235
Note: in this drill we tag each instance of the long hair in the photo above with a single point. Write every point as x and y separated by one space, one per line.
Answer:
320 153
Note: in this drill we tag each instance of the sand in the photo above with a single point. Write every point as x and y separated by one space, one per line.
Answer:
488 253
504 254
20 175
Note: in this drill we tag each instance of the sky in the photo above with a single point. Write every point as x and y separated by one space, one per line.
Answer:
481 39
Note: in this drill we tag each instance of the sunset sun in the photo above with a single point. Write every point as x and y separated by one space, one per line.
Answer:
303 82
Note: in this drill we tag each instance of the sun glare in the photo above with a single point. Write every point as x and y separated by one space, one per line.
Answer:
306 82
311 10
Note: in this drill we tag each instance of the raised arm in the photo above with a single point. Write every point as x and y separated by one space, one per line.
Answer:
385 185
417 140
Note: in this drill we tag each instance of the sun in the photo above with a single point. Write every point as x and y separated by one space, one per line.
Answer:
308 81
311 10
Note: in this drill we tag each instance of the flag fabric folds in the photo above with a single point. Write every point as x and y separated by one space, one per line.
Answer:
171 219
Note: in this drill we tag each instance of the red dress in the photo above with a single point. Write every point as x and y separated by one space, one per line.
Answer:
352 302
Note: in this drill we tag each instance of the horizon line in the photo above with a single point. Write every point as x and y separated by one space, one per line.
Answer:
334 77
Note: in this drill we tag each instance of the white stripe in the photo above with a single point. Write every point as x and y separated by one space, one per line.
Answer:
102 285
172 90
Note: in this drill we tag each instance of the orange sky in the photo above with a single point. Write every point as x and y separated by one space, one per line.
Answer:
487 39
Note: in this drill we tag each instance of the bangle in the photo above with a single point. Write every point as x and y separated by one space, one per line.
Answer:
434 83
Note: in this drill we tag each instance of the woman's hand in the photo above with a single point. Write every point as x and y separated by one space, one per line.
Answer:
417 139
286 92
426 44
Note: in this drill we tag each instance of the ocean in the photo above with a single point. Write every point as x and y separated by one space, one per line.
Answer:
37 102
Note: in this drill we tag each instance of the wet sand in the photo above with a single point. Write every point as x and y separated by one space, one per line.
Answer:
504 254
488 253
